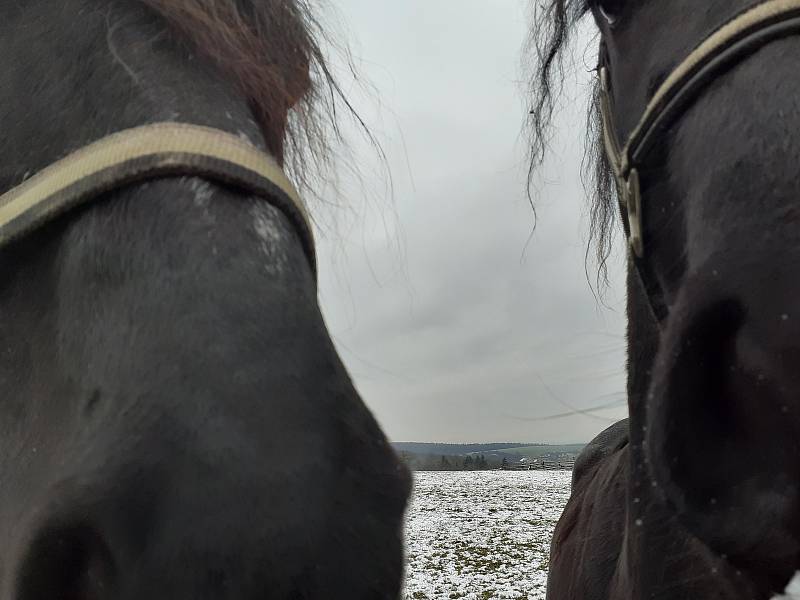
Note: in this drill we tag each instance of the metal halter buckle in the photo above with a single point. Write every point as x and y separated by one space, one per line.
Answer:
633 201
627 178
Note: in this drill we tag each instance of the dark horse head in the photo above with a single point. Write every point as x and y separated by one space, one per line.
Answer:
175 421
697 495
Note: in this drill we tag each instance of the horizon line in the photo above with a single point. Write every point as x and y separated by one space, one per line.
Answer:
511 444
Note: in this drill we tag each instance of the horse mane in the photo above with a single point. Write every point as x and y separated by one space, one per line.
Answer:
272 50
554 23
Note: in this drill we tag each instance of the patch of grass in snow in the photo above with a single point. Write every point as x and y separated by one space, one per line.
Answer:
476 558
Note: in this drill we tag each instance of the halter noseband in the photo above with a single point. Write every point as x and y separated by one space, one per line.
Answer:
726 47
147 152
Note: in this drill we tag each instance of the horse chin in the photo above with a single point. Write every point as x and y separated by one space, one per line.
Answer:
723 424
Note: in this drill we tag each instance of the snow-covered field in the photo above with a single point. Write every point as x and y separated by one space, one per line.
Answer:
480 535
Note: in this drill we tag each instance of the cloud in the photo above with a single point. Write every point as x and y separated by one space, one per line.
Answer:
469 329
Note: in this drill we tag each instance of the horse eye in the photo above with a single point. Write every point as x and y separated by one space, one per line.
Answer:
611 10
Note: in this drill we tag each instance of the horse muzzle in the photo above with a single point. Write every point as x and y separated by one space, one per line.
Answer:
723 411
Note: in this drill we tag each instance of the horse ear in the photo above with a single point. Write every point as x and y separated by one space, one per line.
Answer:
718 450
611 10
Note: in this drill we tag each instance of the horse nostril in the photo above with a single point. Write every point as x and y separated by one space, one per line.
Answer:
67 563
692 408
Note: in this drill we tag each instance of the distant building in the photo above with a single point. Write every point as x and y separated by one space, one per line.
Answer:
549 462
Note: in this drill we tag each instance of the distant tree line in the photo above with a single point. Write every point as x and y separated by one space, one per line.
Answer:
443 462
437 449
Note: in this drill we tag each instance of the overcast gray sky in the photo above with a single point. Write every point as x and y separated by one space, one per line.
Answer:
454 326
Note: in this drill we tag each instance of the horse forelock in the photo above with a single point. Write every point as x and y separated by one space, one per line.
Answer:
272 50
553 25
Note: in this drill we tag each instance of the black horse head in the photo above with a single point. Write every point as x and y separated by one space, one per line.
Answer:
175 421
702 494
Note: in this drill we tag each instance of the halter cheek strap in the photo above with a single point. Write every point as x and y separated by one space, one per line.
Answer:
727 46
148 152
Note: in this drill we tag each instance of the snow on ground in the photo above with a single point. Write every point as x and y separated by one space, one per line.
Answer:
481 535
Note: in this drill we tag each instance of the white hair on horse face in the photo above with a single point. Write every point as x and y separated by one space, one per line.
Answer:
272 238
792 590
202 191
